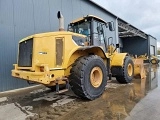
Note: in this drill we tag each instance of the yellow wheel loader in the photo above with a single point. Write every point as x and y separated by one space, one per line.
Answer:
153 59
81 57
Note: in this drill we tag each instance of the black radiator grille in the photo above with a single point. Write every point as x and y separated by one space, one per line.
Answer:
25 53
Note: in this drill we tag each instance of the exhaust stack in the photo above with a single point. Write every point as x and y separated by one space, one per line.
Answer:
61 21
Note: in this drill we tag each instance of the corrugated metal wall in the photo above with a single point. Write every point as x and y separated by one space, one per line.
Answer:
21 18
135 45
152 45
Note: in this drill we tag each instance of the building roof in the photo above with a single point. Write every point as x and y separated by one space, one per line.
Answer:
123 25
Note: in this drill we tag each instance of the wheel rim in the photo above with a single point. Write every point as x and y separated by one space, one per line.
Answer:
96 77
153 61
130 69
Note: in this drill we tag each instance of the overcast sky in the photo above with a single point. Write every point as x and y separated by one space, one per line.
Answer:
143 14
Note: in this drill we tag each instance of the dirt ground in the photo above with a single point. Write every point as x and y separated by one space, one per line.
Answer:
115 103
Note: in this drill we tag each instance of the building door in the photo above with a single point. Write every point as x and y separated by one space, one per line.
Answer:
152 50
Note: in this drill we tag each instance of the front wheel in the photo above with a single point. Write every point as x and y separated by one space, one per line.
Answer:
88 77
127 71
154 61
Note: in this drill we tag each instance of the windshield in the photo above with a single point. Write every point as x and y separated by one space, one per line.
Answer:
81 28
93 29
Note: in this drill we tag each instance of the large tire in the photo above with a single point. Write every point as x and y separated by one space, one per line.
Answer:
127 71
88 77
154 61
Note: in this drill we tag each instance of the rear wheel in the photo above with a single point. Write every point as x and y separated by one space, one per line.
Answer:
88 77
127 71
154 61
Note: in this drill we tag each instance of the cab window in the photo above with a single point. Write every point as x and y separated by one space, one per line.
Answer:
98 31
81 28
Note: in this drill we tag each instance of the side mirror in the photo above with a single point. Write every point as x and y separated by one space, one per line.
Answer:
111 26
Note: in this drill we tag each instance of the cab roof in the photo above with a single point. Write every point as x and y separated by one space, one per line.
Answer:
88 17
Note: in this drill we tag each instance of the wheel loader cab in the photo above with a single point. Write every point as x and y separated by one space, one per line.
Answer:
93 27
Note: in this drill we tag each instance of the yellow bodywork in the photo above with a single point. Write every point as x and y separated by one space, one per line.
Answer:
53 55
117 59
144 57
154 59
47 67
139 68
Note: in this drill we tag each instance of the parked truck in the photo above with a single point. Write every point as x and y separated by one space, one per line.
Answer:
81 57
